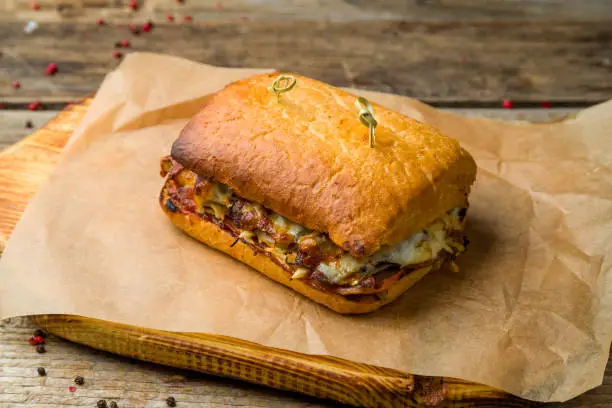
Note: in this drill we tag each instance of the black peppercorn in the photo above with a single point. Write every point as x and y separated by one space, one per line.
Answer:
102 404
171 402
118 44
40 349
78 380
41 371
40 332
29 124
113 404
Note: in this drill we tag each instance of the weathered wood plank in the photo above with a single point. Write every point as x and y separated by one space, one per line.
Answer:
436 62
338 10
13 124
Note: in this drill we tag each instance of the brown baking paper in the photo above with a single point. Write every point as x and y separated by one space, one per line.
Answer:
530 311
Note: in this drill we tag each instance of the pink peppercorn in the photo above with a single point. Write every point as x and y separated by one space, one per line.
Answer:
16 84
51 69
36 105
187 19
507 104
170 18
100 21
35 6
133 5
117 55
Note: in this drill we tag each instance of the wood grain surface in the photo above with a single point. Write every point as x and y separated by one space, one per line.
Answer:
442 62
213 10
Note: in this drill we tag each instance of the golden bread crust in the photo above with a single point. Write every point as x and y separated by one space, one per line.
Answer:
305 156
219 239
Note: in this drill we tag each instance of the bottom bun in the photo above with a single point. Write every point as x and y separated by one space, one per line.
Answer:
220 239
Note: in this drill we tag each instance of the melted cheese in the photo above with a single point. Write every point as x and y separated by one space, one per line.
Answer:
420 247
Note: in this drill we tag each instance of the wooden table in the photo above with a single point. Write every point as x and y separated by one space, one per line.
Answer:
467 56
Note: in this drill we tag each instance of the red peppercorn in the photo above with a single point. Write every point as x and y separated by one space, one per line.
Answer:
124 43
32 341
169 18
100 21
507 104
16 84
35 106
148 26
35 6
133 5
117 54
72 388
39 339
187 19
545 105
51 69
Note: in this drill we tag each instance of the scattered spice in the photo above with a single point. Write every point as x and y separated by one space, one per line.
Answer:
41 333
507 104
133 5
101 404
51 69
100 21
72 388
36 105
41 371
169 18
171 402
79 380
40 349
113 404
117 54
187 19
35 6
16 84
545 105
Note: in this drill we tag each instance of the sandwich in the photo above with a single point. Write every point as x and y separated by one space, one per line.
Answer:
340 199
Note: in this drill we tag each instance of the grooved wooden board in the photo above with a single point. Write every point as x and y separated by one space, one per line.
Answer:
25 165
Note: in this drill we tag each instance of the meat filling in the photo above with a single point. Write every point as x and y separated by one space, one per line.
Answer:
310 255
